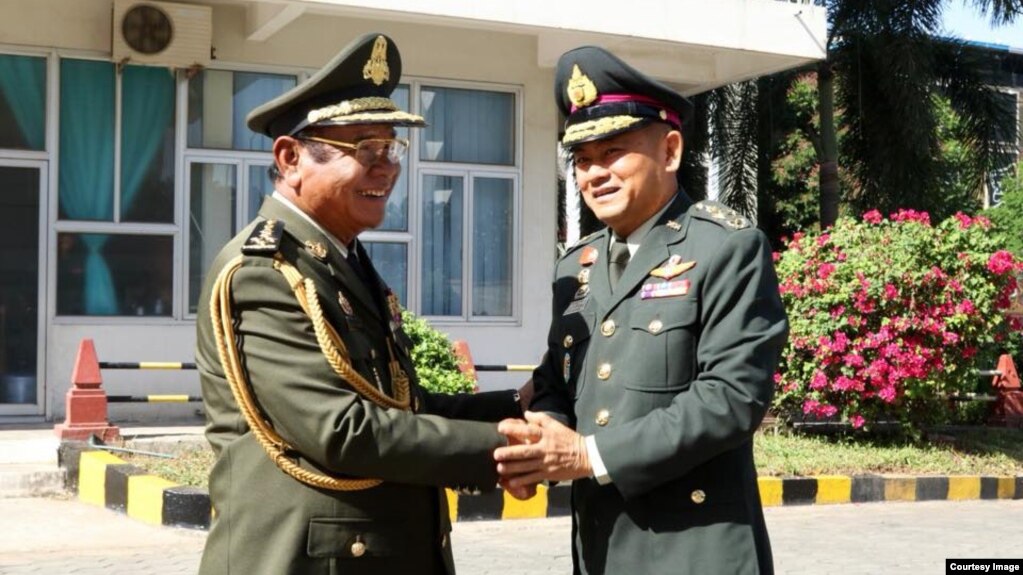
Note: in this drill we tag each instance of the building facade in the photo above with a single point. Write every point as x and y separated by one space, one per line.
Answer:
125 162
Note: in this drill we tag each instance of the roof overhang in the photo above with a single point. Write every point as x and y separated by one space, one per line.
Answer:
694 44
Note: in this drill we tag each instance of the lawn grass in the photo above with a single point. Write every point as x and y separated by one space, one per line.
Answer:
968 451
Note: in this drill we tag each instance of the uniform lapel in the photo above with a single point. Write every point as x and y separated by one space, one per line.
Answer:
336 266
600 282
653 251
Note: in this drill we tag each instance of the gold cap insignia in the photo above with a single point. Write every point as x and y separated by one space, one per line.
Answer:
581 90
376 68
318 250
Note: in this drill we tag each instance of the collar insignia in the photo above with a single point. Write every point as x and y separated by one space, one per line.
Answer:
581 90
672 224
318 250
376 68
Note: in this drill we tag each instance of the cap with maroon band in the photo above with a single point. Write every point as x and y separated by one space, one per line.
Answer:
601 96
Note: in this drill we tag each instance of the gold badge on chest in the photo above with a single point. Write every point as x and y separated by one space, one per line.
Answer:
346 306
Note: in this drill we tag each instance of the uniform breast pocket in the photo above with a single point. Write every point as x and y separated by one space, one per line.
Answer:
663 345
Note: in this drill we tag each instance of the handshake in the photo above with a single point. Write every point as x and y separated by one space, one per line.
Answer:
539 449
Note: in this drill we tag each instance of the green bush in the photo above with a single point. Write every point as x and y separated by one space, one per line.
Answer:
890 316
435 361
1007 217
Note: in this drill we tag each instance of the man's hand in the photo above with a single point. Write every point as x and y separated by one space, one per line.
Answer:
540 448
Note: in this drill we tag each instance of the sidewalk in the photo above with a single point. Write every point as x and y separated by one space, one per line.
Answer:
64 537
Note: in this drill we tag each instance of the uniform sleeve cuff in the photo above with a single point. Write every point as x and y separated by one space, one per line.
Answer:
599 471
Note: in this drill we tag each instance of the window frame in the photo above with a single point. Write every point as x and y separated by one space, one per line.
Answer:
419 167
115 226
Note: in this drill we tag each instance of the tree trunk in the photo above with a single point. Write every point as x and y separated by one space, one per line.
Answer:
829 146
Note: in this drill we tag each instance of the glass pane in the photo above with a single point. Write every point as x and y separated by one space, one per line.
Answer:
147 144
391 262
442 245
397 205
86 140
471 126
211 217
260 186
22 102
19 284
492 221
218 102
114 275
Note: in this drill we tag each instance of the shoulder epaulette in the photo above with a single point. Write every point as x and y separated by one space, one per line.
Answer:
583 241
720 214
265 239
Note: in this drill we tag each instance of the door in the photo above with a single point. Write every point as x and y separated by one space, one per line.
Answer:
22 321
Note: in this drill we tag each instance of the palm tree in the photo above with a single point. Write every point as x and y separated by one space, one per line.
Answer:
886 59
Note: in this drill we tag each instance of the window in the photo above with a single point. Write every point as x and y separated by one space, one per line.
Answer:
227 164
142 211
218 102
468 174
22 102
115 246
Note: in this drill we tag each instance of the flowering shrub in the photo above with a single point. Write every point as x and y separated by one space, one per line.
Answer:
890 316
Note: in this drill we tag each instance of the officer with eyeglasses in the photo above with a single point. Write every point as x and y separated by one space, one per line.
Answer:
330 457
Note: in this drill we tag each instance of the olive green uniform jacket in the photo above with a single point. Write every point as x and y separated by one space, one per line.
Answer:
267 522
671 375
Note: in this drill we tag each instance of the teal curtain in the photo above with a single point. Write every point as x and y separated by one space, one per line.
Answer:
86 174
23 86
147 110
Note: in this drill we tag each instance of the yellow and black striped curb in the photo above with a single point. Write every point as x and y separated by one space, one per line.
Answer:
103 479
826 489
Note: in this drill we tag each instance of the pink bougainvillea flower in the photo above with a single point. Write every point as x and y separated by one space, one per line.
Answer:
1000 262
872 217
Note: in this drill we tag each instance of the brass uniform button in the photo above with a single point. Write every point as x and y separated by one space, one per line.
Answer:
444 540
698 496
568 341
358 549
604 371
607 329
655 326
603 416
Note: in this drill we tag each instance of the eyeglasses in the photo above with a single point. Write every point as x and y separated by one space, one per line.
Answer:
371 150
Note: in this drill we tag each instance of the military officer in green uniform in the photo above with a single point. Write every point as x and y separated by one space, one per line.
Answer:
330 457
667 328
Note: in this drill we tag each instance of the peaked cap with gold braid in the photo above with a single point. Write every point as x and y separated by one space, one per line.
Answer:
602 96
353 88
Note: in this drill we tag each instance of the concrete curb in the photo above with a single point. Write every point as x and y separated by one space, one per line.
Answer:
102 479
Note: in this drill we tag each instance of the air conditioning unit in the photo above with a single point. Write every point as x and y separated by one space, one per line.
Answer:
162 34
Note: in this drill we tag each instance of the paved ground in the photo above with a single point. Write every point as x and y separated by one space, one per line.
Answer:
55 536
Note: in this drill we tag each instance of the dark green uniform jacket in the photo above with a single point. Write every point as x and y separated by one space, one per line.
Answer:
672 373
265 521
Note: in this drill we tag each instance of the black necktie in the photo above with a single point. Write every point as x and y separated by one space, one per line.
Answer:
618 259
356 265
